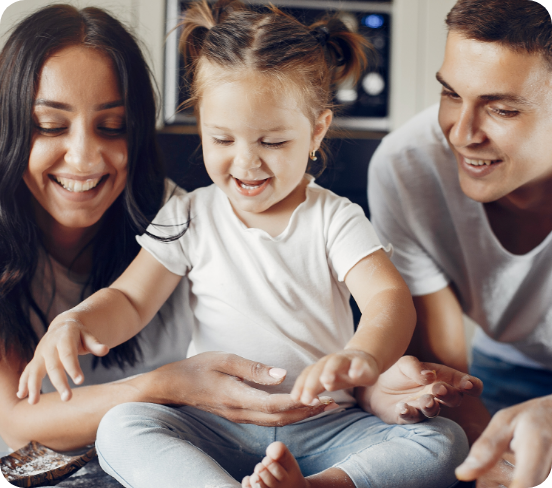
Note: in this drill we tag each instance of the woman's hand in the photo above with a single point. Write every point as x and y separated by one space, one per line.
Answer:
343 369
57 353
411 391
216 382
524 430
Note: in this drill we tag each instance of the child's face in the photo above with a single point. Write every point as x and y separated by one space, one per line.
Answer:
256 143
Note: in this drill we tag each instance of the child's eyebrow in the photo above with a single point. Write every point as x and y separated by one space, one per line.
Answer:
260 129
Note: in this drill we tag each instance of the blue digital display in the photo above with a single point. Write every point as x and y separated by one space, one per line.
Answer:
373 21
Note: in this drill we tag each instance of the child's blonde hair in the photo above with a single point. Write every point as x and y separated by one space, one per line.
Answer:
309 60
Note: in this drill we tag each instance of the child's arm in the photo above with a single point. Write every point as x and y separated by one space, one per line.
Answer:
383 334
107 318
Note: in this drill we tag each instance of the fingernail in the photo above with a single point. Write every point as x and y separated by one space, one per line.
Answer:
427 372
466 385
314 403
469 463
65 396
441 390
430 403
331 406
78 379
277 373
403 409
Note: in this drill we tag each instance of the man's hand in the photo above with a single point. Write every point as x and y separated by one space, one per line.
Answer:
216 382
411 391
524 430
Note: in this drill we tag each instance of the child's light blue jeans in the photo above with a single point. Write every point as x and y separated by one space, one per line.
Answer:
147 445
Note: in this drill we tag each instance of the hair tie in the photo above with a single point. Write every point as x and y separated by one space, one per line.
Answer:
321 34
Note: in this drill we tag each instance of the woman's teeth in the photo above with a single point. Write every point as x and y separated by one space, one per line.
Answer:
78 186
479 162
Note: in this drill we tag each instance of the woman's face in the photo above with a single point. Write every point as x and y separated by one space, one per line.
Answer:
78 162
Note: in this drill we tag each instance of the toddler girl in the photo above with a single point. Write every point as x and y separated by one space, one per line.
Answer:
272 259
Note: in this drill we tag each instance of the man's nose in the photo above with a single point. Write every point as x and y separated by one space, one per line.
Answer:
467 128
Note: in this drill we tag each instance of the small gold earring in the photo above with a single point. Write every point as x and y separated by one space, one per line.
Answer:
313 155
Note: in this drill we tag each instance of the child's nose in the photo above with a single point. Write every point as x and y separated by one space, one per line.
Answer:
246 158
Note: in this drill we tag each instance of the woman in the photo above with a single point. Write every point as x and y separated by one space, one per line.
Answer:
81 176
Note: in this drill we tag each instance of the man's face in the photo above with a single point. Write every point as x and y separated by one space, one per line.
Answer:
496 113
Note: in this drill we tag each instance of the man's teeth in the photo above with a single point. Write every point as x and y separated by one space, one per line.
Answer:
479 162
78 186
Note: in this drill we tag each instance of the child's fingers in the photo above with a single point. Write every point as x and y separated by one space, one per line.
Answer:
35 373
303 393
362 372
93 345
66 359
58 378
407 414
335 373
23 389
446 394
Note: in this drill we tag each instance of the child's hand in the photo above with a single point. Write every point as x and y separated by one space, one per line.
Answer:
343 369
56 353
411 391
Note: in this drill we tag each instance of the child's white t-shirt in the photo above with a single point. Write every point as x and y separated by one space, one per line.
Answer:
277 300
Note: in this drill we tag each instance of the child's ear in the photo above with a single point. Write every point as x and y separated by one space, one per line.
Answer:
321 126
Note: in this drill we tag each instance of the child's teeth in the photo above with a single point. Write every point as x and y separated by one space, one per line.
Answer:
78 186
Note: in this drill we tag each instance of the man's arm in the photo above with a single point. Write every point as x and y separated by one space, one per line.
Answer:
439 338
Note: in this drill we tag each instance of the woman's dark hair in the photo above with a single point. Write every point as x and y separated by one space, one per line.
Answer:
521 25
31 43
310 60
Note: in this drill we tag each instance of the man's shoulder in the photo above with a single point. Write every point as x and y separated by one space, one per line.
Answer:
415 150
420 138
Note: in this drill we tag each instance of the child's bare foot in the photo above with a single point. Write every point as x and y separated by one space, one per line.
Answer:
278 469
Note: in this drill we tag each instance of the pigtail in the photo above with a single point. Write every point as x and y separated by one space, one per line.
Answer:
347 53
198 20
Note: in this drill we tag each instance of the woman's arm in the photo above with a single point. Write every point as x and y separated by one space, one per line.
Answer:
211 381
383 333
107 318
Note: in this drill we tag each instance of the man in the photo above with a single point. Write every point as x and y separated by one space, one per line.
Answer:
464 194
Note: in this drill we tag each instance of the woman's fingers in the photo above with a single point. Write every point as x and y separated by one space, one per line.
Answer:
252 371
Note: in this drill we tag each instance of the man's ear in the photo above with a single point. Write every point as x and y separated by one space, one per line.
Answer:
321 126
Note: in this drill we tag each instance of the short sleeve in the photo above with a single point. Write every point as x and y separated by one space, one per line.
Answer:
351 238
399 218
161 240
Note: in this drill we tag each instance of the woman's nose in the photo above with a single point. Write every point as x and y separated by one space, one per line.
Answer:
83 151
466 129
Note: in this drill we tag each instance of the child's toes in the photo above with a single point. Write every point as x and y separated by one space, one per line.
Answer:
257 482
268 478
284 466
246 482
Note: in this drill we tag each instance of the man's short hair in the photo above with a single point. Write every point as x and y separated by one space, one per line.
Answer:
521 25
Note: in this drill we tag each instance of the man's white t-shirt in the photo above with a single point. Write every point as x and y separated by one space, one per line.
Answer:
441 237
277 300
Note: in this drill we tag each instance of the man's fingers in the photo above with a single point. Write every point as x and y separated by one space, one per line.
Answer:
408 414
486 451
533 450
446 394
